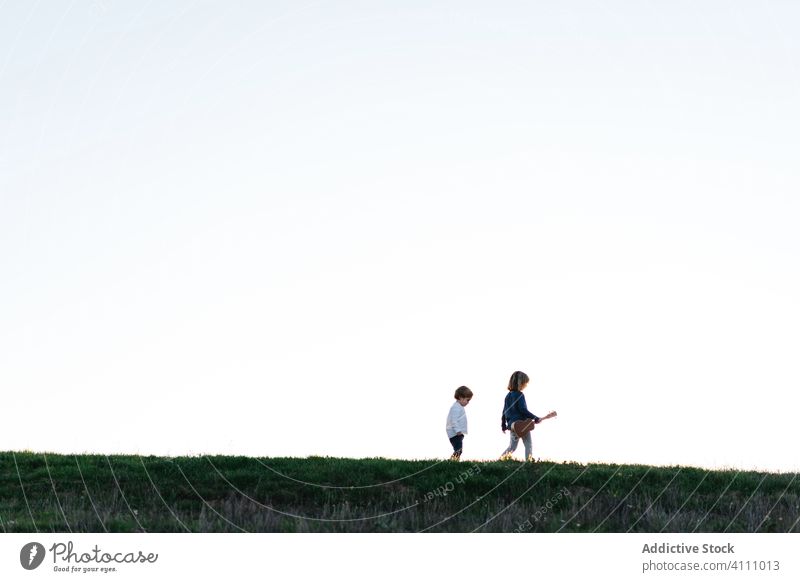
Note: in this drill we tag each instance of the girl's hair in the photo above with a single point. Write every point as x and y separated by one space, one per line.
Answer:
518 380
463 392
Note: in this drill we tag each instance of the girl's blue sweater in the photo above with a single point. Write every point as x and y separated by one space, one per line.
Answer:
515 409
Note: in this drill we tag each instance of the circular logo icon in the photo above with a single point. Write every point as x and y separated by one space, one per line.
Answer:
31 555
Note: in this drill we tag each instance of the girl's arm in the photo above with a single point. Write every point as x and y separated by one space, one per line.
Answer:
523 408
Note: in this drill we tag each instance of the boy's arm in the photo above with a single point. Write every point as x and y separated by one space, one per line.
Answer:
450 419
461 421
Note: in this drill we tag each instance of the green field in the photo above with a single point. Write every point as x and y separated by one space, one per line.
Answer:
96 493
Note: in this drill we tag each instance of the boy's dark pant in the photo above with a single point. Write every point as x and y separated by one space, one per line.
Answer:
458 445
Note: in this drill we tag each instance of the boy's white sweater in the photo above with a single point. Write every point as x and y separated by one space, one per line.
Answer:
456 420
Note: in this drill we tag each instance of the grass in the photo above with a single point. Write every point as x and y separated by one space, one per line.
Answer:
42 492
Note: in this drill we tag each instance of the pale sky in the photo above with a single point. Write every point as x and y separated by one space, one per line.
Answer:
222 222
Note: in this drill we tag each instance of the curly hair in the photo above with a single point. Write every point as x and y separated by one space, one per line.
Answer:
463 392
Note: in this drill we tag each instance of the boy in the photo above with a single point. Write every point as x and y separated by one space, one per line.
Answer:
457 421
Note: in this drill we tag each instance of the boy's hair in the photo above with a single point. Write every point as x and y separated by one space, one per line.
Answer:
463 392
517 380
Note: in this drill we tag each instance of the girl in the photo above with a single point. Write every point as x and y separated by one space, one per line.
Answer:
515 409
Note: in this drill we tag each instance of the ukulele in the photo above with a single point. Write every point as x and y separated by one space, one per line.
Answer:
523 427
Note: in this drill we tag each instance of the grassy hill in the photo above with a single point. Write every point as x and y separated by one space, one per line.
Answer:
97 493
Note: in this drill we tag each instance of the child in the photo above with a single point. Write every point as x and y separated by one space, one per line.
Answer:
457 421
515 409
